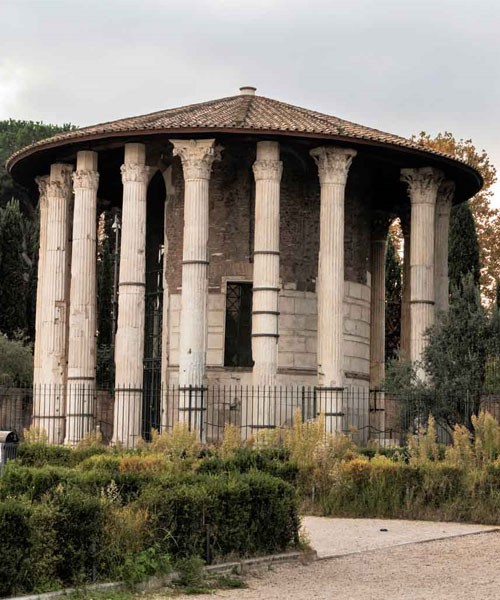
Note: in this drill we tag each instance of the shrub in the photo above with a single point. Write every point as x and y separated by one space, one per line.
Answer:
245 514
39 454
15 536
79 529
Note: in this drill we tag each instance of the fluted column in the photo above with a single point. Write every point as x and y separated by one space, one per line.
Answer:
42 183
423 186
404 345
266 269
333 166
377 302
129 343
266 273
443 211
49 405
197 157
380 226
83 301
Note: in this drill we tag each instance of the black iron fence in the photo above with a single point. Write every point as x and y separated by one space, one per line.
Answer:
65 414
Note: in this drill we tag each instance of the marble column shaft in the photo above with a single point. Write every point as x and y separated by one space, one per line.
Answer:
377 308
333 166
423 186
197 157
83 301
443 211
266 269
42 183
405 340
49 407
129 343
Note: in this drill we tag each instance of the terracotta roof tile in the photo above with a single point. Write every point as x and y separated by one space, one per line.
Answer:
242 112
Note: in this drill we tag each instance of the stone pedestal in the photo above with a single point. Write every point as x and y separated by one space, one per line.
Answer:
49 402
443 211
266 281
423 186
333 166
83 302
197 157
129 344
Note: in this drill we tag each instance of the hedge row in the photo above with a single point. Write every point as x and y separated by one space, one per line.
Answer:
436 491
62 527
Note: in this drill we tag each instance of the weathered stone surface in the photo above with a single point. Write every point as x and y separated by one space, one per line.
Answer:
83 302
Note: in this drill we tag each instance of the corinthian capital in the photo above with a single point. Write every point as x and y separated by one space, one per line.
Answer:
135 172
87 180
197 157
445 196
423 184
333 163
42 183
268 169
59 183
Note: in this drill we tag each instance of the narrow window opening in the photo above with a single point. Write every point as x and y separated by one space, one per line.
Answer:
238 339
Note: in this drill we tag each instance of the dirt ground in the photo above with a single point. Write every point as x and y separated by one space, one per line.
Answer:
456 568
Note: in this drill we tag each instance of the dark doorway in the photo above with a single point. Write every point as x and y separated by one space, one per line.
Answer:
238 338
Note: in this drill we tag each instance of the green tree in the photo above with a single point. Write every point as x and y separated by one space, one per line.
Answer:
14 135
463 255
16 362
15 270
456 353
392 299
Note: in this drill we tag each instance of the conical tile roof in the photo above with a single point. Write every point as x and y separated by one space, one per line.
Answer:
244 113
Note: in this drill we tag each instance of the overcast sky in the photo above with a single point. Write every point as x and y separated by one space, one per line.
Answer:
399 65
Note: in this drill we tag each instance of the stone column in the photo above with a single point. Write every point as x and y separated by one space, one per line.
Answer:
129 343
49 405
443 211
377 302
333 166
266 274
83 302
197 157
423 186
380 226
404 345
42 259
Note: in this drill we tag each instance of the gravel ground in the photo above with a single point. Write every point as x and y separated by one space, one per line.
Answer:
332 537
466 567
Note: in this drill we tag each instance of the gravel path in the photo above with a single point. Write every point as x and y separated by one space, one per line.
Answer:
460 568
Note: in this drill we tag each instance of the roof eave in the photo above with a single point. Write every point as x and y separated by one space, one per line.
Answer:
14 161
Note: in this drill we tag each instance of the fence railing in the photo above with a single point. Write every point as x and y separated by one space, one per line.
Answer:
65 414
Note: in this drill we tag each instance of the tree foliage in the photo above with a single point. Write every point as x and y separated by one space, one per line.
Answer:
463 255
487 219
455 357
15 269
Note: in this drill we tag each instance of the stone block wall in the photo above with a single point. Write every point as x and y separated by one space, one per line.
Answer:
297 342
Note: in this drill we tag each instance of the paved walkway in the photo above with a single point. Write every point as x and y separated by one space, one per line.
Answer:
336 537
366 563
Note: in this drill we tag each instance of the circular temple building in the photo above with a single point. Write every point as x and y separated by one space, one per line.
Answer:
251 257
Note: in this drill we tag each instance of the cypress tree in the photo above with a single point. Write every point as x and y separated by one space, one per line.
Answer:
15 269
463 255
393 290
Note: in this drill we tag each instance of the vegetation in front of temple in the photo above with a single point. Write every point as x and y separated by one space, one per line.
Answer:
73 516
